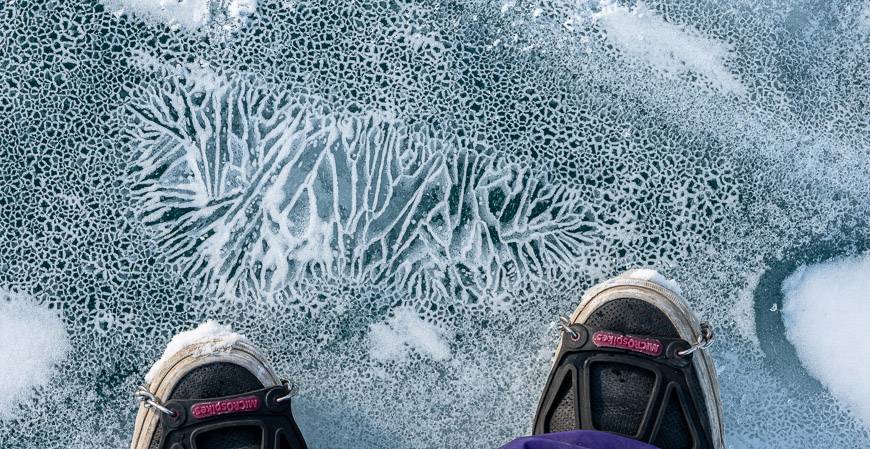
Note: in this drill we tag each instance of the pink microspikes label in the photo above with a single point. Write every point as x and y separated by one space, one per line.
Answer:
648 346
245 404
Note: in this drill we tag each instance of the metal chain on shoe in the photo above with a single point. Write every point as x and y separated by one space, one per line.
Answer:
292 390
704 340
148 399
565 326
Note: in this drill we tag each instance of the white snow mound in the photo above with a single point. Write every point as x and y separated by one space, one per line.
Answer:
825 311
33 340
649 274
405 331
217 336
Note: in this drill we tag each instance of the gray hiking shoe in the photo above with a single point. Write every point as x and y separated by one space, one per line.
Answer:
632 360
212 389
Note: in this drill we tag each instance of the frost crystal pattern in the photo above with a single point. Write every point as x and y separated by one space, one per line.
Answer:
254 192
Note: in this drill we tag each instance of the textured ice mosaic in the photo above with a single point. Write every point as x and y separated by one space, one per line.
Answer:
397 199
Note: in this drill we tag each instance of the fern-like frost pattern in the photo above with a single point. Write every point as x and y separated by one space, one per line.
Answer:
255 191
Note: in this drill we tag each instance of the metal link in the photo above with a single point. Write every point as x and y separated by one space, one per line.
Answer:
150 401
705 340
565 326
292 390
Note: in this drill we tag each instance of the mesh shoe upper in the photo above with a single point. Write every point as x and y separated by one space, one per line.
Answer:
211 381
632 316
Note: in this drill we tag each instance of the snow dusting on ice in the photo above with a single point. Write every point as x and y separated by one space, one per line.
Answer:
405 331
188 14
826 312
864 17
33 340
642 34
743 312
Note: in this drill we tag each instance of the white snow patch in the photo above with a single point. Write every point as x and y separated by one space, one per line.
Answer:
507 5
649 274
241 9
743 311
406 331
639 33
864 16
33 339
189 14
217 336
826 311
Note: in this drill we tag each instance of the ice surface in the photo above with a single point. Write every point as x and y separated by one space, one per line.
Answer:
33 341
826 314
340 181
214 336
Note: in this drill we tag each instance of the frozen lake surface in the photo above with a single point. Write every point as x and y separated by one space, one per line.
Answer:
397 200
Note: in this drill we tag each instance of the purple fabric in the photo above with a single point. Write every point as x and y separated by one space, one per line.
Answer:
577 439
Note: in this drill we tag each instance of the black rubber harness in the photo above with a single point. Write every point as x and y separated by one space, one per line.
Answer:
674 377
259 408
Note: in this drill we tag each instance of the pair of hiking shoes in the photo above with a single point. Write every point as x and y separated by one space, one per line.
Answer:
631 361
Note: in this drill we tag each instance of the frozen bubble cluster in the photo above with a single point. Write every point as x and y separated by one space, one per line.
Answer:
397 199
